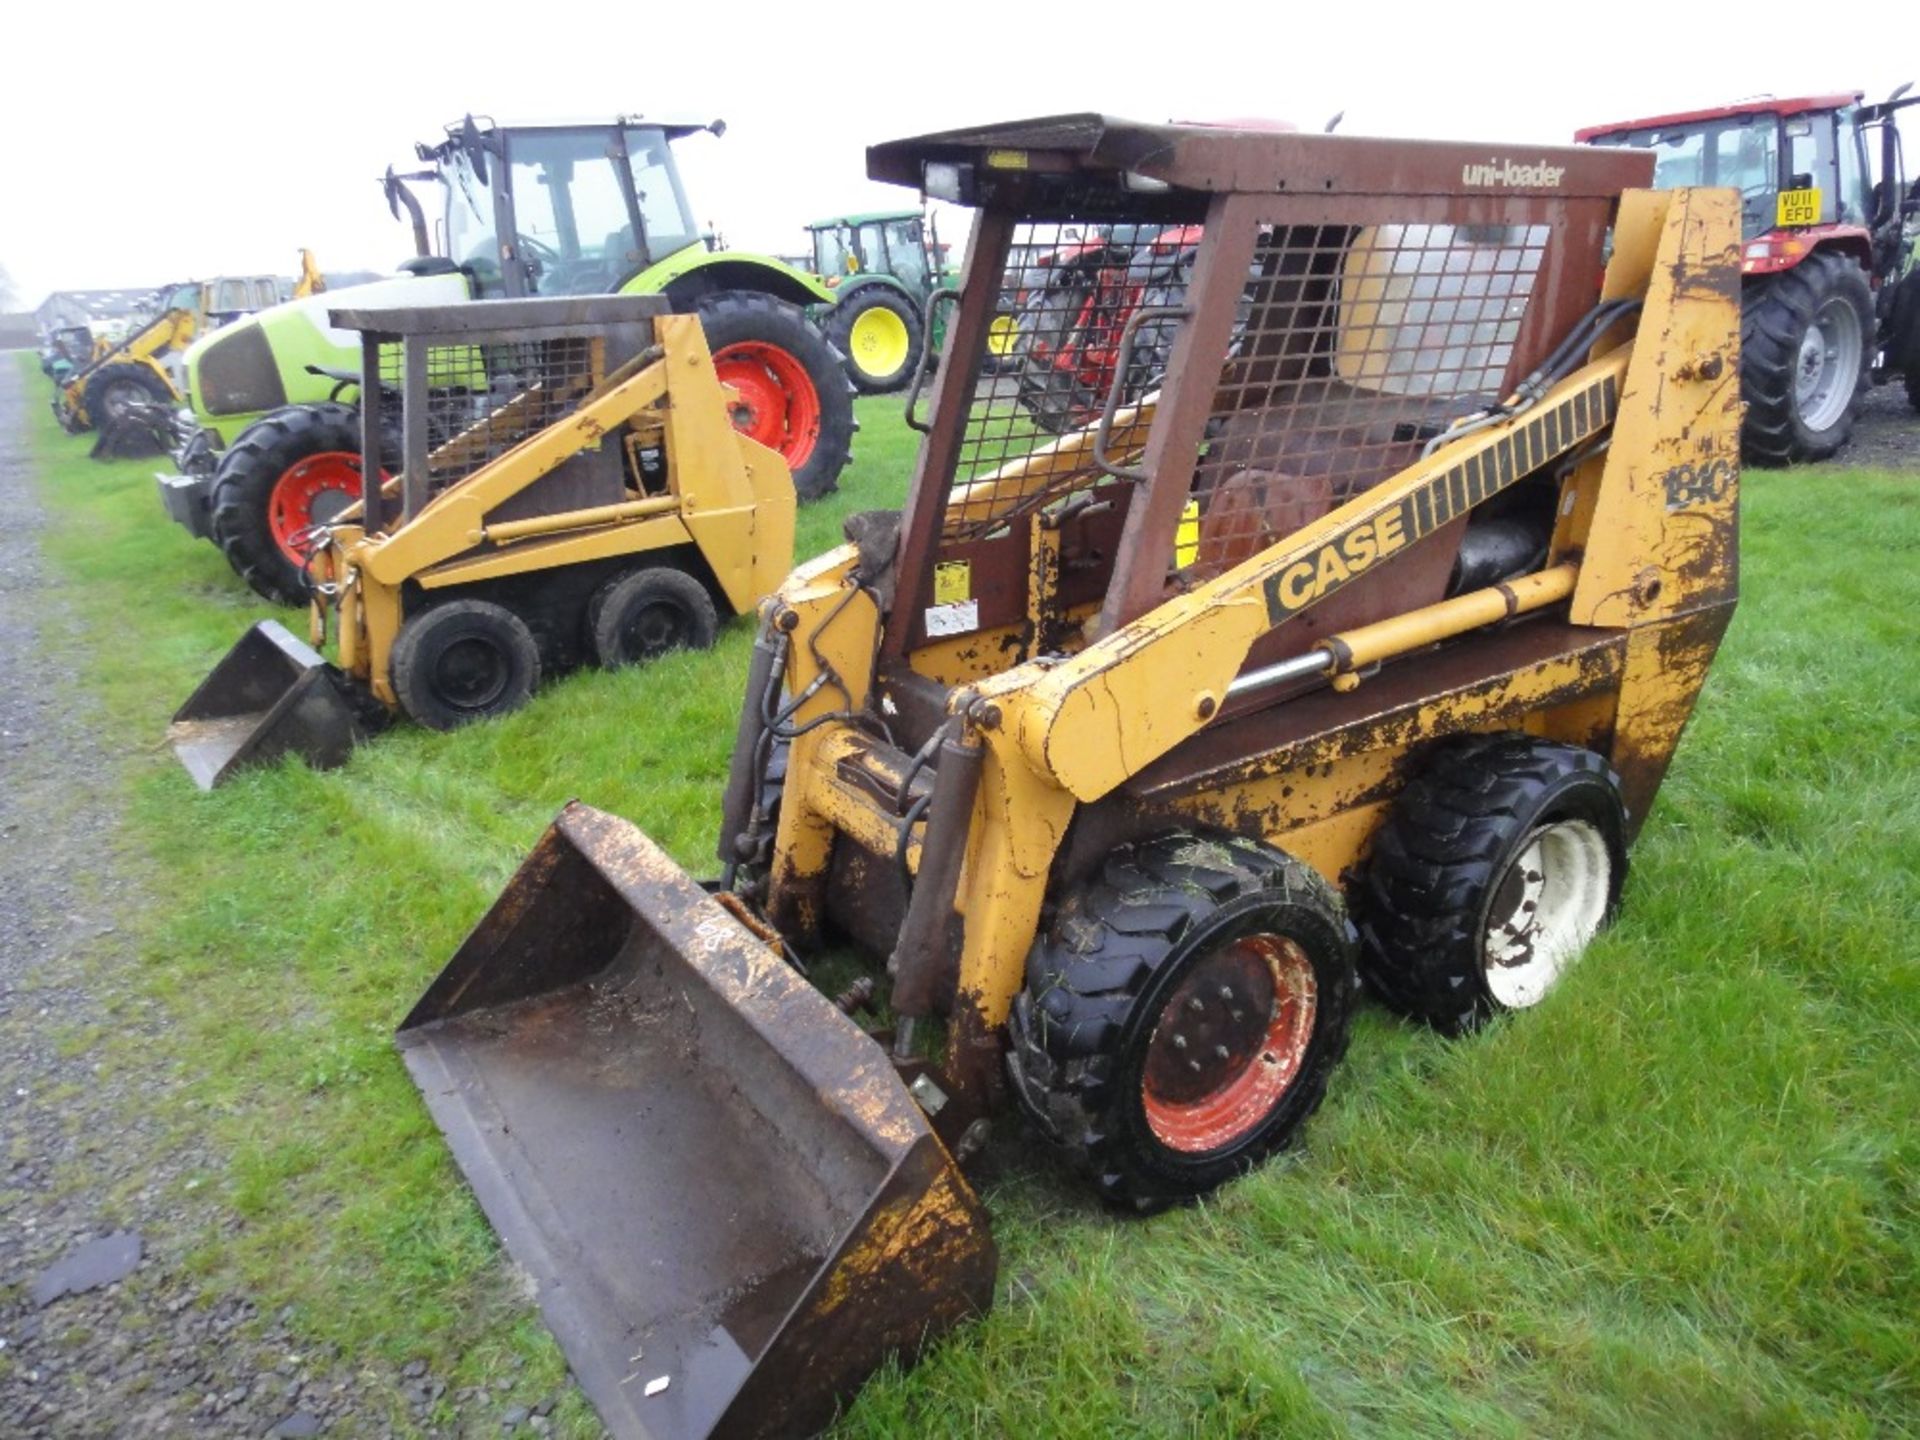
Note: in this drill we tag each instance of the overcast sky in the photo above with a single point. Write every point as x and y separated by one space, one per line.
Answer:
154 142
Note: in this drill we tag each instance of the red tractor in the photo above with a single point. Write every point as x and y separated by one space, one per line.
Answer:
1831 291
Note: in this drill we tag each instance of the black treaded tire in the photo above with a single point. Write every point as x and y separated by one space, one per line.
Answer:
461 661
111 388
745 317
838 326
242 491
1775 314
643 614
1448 842
1107 965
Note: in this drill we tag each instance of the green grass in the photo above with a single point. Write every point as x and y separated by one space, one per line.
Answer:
1680 1198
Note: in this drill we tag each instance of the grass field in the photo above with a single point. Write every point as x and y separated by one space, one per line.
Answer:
1679 1198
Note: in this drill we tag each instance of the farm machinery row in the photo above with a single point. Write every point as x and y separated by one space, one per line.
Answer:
1338 617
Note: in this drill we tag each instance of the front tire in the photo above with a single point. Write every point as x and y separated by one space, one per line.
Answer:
462 661
113 390
878 331
793 394
1806 338
1182 1015
1495 868
288 470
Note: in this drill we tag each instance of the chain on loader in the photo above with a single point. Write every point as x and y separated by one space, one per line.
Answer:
570 488
1352 636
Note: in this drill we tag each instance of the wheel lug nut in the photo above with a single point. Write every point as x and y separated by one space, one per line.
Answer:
1226 993
1222 1053
1194 1066
1179 1042
1195 1004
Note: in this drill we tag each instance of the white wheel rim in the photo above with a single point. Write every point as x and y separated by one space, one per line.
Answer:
1545 909
1828 369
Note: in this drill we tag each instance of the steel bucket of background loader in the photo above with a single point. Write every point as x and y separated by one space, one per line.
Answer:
713 1177
272 695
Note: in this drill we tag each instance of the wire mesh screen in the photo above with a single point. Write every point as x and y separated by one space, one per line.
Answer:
1066 296
1353 348
482 400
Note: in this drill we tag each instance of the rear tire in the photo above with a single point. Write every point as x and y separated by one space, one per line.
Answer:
111 389
298 464
462 661
1806 343
794 395
645 614
1495 868
1246 953
878 331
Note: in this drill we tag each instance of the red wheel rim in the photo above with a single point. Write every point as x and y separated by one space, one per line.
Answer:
1228 1043
778 405
317 487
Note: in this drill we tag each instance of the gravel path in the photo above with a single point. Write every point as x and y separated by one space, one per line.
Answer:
85 1159
1887 436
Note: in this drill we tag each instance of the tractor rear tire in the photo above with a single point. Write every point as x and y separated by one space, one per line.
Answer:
112 388
1806 344
1492 872
794 395
878 330
1246 953
462 661
644 614
287 469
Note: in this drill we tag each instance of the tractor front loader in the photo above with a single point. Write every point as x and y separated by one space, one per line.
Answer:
571 488
1357 642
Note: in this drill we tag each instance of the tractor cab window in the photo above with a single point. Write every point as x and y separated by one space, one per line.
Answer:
230 297
1741 152
663 202
573 231
184 297
833 252
471 242
1810 161
907 252
1854 205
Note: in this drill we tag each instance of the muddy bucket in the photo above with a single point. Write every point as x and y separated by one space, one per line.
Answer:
730 1208
272 695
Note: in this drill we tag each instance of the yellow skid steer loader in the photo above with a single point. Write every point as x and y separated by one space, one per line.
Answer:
1353 639
571 489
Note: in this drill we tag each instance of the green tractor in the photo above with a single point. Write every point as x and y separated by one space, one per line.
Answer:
882 267
526 210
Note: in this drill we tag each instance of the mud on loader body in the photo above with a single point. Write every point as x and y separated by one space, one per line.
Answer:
1388 598
571 488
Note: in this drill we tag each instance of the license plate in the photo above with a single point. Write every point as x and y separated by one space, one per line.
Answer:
1799 207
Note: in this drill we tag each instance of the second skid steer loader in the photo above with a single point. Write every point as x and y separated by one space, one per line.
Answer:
1357 642
571 488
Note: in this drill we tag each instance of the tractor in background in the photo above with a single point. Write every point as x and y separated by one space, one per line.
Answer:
1830 294
883 266
526 210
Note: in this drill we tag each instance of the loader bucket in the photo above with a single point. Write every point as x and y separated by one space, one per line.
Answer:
714 1178
272 695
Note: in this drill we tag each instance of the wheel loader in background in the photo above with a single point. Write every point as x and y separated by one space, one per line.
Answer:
1830 287
128 391
1119 807
572 489
527 210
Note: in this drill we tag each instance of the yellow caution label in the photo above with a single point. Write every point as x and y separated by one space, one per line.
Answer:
952 582
1186 540
1006 159
1799 207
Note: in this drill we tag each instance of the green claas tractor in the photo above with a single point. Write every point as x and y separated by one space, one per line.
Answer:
883 266
526 210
